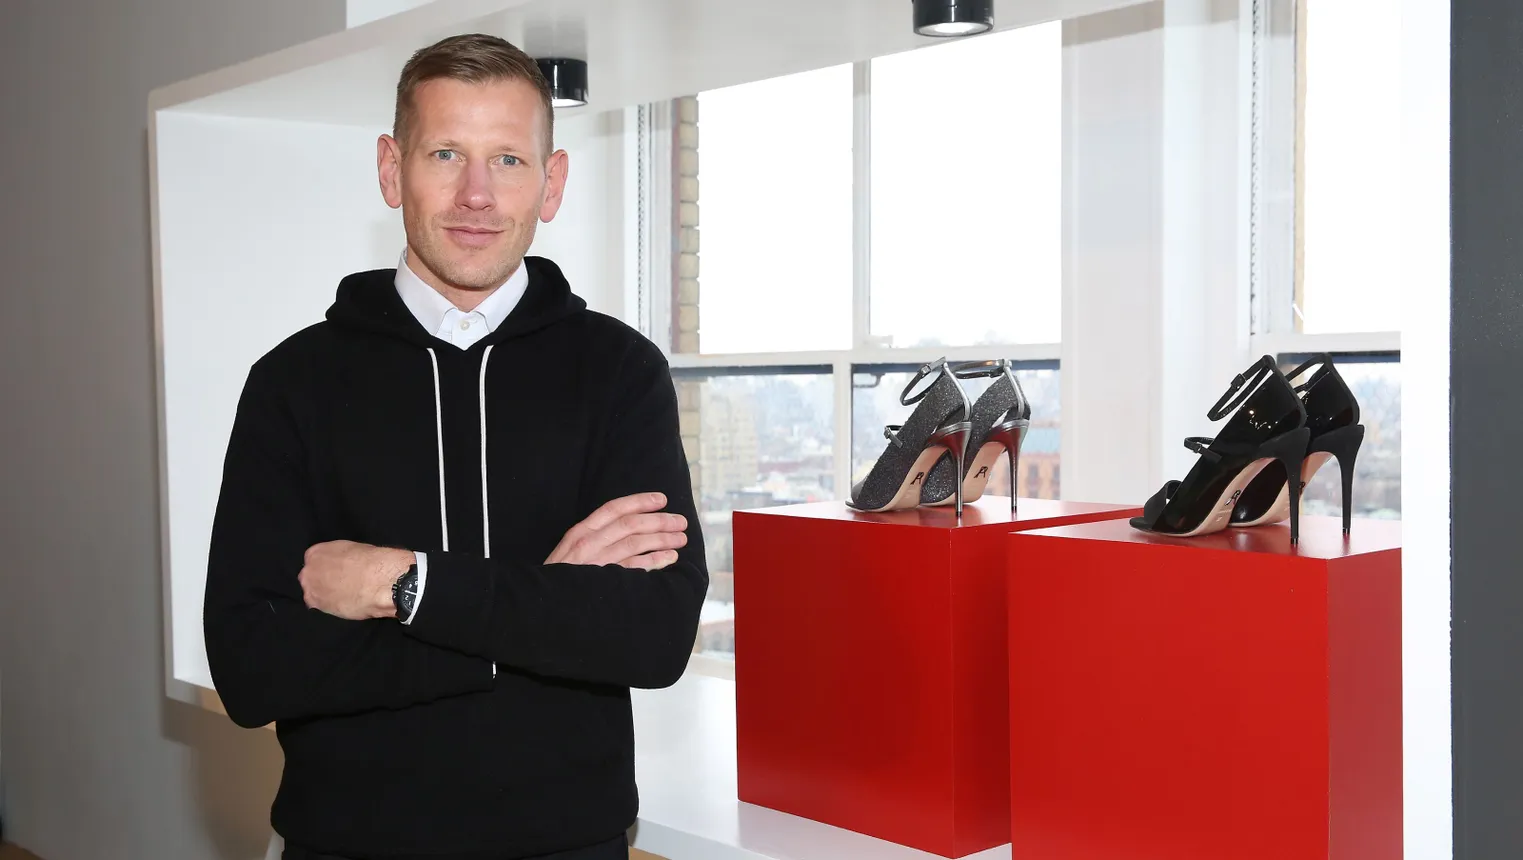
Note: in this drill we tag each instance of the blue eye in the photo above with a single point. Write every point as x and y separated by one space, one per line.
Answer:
510 160
443 154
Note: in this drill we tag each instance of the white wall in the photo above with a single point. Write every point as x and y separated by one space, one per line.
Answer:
586 239
1155 312
359 12
98 764
1113 133
1425 482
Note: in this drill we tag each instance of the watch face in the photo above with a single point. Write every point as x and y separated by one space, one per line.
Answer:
404 593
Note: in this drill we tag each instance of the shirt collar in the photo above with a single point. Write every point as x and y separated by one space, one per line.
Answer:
431 308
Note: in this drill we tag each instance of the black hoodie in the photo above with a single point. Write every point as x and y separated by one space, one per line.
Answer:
406 741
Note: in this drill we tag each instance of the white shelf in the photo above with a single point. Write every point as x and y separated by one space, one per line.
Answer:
685 763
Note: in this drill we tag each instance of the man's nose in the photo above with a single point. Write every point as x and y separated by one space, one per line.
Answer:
476 187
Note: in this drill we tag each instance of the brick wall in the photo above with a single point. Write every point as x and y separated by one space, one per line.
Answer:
685 305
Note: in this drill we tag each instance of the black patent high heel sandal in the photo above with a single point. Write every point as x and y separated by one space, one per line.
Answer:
938 426
1332 416
1269 427
1001 417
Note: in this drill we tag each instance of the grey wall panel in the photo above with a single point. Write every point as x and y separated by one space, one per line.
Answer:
1487 384
98 764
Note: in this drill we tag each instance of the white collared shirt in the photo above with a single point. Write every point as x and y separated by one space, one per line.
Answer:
439 316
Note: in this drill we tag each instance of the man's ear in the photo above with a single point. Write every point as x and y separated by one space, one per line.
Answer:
388 165
556 168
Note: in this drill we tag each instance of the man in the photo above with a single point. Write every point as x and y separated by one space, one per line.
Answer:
455 524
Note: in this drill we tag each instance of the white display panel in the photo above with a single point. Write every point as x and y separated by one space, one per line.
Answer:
1424 294
257 221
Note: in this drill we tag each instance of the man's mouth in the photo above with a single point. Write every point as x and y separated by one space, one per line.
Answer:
472 237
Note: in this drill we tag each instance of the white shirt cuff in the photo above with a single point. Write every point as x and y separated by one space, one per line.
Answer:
418 602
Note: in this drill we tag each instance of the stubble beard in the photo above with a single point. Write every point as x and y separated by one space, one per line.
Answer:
483 270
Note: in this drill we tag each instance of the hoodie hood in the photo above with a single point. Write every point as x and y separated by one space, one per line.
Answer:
369 301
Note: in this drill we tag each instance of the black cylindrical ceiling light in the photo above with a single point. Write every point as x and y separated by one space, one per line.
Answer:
953 17
568 80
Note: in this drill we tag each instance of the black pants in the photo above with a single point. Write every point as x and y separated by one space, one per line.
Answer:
616 849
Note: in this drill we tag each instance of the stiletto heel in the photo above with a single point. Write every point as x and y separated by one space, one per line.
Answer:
939 423
999 420
954 437
1332 416
1347 469
1010 435
1290 450
1294 468
1269 427
1011 462
1343 444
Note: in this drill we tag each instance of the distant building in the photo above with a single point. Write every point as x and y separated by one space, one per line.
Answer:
1039 475
729 449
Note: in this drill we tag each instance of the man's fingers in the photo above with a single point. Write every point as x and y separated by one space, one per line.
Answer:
651 560
637 524
623 506
640 544
589 541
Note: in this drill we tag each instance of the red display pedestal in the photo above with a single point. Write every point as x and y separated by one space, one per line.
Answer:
871 666
1199 699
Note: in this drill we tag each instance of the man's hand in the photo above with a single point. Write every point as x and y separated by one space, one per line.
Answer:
629 531
353 580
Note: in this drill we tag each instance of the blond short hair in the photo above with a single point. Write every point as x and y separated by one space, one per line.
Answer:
473 58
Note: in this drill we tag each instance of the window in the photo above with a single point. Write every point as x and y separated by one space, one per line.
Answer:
1351 186
827 243
775 214
763 440
965 200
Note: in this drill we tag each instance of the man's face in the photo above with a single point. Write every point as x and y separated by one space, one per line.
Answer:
473 181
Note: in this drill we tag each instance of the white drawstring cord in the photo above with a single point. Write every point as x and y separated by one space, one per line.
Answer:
439 435
486 523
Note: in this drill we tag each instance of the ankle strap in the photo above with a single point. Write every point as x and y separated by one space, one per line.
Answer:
975 369
934 368
1243 385
1321 358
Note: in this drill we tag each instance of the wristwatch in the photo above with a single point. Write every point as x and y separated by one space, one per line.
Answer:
404 593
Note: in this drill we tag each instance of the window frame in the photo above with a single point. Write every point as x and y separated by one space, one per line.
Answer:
654 269
1277 195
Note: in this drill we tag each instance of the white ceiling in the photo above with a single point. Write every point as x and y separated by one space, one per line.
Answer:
637 50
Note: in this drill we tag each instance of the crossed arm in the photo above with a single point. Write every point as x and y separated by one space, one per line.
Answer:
300 628
353 580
